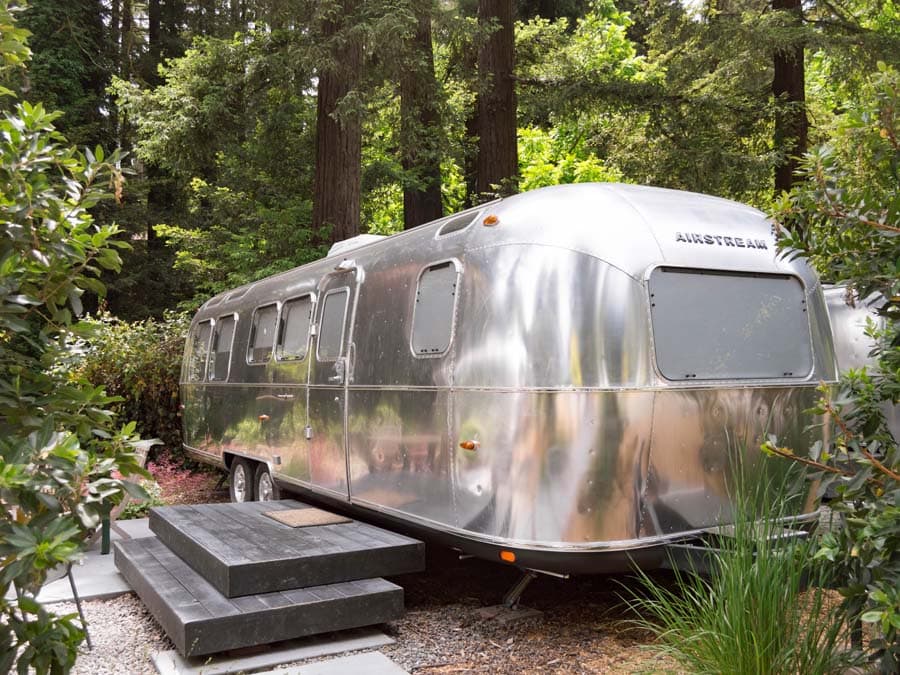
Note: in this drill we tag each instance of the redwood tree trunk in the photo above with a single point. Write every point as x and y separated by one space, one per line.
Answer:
789 89
420 129
497 166
338 139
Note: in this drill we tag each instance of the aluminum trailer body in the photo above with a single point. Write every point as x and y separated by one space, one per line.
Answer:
565 378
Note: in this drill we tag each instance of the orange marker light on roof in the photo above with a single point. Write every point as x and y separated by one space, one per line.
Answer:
469 445
490 221
508 556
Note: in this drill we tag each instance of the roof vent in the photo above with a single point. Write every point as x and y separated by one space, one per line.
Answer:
352 243
458 223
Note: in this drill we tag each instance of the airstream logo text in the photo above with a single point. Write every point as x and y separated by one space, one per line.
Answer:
717 239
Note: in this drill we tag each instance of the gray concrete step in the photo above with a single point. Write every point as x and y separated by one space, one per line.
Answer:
200 620
240 551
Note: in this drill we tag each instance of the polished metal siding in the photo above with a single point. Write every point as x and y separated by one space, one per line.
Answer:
578 443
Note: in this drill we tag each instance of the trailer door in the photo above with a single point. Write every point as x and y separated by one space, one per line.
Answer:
329 380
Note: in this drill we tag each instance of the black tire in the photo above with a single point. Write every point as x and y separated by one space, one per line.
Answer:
241 481
264 486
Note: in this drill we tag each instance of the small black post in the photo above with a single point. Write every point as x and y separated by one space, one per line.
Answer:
87 635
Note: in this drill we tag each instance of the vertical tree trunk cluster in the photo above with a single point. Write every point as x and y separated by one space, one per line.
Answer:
789 89
497 166
336 191
420 123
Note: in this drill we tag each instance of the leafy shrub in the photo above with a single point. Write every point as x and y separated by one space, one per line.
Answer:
141 363
59 445
846 218
751 614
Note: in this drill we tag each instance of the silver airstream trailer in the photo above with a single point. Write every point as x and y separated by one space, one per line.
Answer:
564 379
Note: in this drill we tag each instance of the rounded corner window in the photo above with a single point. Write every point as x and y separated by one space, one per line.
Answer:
434 311
262 334
219 367
294 328
729 325
332 321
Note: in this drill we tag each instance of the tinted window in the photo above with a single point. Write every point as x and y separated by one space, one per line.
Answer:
433 315
296 316
331 332
712 325
199 351
223 338
262 334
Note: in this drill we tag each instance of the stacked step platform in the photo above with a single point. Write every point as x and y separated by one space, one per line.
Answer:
224 576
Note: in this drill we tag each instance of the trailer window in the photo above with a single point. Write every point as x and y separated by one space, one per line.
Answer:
223 337
722 325
434 310
199 351
331 333
296 316
262 334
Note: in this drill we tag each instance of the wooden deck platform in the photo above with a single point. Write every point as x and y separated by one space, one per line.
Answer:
240 551
199 620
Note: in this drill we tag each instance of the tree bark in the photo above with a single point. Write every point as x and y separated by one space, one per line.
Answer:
154 40
336 191
497 166
420 128
789 89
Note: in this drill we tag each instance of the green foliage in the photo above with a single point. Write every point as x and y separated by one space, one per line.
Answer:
751 615
139 363
59 445
233 124
549 158
70 68
845 218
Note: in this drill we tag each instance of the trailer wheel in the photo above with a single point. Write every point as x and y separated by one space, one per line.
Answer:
266 488
241 480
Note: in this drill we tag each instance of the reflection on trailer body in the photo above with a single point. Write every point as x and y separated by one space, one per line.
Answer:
573 383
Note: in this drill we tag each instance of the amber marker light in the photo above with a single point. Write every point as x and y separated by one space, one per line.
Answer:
490 221
508 556
469 445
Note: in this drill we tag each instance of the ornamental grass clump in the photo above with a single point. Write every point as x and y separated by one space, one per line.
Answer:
763 607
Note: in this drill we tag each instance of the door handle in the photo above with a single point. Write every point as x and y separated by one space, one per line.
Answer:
339 371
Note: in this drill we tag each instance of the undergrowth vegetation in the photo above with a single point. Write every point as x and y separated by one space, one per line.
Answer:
139 362
763 607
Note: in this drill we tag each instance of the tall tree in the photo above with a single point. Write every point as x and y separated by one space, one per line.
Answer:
789 89
497 164
336 192
420 125
70 70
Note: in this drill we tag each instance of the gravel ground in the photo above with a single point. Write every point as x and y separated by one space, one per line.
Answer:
584 627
